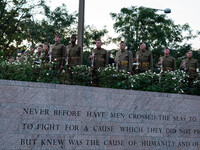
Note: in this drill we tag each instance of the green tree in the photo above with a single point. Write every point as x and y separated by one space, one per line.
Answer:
57 21
91 34
60 21
145 25
19 21
13 28
34 21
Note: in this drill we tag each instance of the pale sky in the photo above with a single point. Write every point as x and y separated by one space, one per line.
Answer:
97 12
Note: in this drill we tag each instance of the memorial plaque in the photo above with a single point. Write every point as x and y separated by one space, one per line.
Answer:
38 116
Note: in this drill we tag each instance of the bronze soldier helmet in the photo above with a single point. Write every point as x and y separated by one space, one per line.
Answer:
73 36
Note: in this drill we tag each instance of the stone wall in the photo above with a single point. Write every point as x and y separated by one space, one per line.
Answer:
39 116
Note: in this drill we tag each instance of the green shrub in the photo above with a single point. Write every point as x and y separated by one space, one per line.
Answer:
109 77
81 75
148 81
22 71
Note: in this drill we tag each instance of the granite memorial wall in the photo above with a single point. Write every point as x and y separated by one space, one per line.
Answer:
39 116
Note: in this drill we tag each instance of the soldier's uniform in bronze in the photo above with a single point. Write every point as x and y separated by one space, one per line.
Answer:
100 61
100 58
58 55
168 63
124 60
145 60
191 67
74 58
74 55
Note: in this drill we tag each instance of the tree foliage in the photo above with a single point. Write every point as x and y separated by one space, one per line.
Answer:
92 34
146 25
37 23
10 22
56 21
13 27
